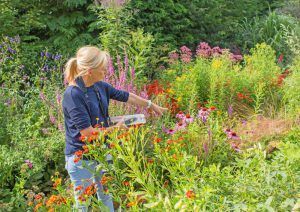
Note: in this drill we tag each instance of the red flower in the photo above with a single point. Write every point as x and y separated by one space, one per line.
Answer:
190 194
150 160
157 140
76 160
38 196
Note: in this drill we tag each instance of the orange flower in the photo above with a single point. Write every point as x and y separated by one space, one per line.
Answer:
85 149
90 190
57 182
130 204
30 203
126 183
78 188
105 180
174 156
79 153
56 200
112 145
190 194
36 208
157 140
95 133
82 138
169 141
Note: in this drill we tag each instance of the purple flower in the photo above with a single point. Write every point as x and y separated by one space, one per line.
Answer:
45 68
57 57
29 164
12 51
205 148
42 54
230 110
48 54
58 98
7 102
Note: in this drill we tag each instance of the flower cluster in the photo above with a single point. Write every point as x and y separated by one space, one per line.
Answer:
205 51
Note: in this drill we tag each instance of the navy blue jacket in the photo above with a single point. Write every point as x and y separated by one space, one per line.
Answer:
81 112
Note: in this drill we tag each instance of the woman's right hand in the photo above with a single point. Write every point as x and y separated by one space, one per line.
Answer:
121 125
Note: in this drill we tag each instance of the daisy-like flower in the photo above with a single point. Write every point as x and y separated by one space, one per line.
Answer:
168 131
180 126
203 114
188 119
180 115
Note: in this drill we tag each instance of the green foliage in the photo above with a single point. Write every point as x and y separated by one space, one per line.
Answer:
291 89
280 31
64 26
250 87
186 22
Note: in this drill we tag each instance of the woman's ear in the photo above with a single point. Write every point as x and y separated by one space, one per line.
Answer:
89 72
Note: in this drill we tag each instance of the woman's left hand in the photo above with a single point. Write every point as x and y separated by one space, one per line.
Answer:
157 109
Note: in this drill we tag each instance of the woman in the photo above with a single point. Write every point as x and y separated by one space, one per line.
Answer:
85 104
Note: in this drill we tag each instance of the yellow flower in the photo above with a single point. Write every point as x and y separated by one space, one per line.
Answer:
179 99
216 64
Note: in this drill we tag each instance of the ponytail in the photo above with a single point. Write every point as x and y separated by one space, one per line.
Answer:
71 70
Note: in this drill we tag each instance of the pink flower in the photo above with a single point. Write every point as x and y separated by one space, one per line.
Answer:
29 164
203 50
188 119
235 57
180 126
168 131
203 114
173 57
180 115
280 59
186 54
231 135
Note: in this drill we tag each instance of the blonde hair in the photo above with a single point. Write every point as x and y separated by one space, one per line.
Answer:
87 58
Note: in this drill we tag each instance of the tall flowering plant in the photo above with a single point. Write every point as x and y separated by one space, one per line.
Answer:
123 77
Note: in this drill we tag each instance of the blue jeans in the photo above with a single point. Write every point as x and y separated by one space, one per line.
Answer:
83 174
